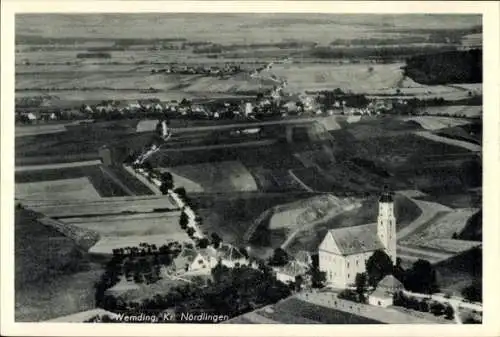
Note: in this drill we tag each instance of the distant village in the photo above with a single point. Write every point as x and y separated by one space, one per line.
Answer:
274 105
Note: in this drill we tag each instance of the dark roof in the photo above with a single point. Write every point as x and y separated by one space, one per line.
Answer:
387 197
357 239
389 283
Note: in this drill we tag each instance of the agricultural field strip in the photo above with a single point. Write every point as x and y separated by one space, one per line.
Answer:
409 251
254 317
452 222
57 166
22 131
466 145
107 243
382 315
430 210
105 207
107 172
328 216
222 146
249 125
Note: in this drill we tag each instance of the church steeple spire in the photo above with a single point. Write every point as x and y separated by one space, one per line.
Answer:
386 223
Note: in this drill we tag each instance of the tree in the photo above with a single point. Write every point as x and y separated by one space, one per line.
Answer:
203 243
378 266
183 220
421 278
449 313
181 191
190 231
298 282
167 182
361 283
398 271
437 309
279 258
473 292
216 240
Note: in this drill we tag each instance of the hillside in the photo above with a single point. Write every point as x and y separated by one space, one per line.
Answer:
459 271
45 258
446 68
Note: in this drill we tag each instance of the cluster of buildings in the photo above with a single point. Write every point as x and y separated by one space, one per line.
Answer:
227 69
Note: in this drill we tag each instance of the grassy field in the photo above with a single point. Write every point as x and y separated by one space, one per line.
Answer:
299 308
53 277
225 176
49 180
68 189
459 271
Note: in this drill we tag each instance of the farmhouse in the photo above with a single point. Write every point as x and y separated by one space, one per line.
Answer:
190 260
344 251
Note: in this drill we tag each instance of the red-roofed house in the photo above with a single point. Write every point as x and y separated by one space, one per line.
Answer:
344 251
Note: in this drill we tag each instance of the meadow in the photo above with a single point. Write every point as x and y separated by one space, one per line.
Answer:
44 257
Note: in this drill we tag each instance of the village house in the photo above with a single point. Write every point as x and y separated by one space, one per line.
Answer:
290 271
344 251
383 295
189 260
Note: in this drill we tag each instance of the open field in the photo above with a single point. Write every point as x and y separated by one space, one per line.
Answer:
459 271
104 186
107 243
440 231
67 189
225 176
116 205
436 123
131 224
456 142
53 277
32 130
57 166
469 111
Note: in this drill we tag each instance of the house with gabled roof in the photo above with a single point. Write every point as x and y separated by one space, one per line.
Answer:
383 295
230 256
190 260
290 271
343 253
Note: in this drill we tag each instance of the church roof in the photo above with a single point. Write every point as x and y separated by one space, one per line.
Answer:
357 239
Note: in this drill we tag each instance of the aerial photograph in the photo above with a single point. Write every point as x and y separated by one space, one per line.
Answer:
265 168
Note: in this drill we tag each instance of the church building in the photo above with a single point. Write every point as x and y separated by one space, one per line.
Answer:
344 251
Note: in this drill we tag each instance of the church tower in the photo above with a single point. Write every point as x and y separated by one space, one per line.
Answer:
386 224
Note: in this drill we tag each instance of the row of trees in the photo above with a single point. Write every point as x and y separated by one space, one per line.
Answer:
232 292
436 308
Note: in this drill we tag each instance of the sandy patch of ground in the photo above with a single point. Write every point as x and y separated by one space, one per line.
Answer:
65 189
